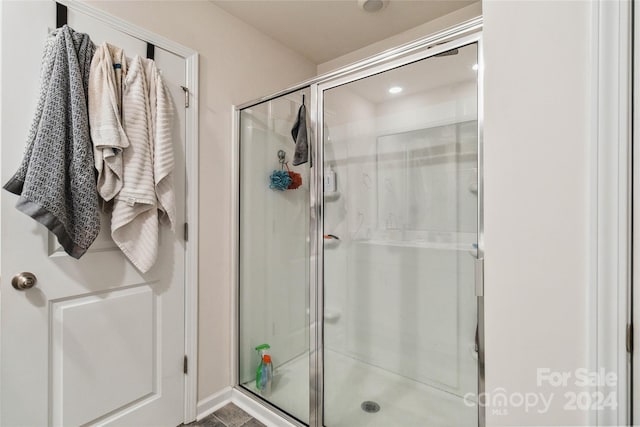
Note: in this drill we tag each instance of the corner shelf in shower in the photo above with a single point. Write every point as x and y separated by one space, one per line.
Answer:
331 196
473 188
330 243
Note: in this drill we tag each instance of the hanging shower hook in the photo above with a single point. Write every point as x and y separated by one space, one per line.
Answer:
281 157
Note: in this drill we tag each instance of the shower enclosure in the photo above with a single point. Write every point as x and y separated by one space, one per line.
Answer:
365 282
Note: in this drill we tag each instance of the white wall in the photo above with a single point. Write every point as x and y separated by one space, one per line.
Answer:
537 128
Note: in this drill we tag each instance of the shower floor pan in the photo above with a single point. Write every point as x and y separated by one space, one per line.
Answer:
349 383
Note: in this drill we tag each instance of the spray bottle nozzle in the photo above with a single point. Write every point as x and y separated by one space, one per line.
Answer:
263 347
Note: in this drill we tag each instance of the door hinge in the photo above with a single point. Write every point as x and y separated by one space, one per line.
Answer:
185 366
186 96
479 276
186 231
630 338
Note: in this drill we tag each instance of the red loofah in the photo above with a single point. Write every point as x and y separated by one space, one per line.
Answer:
296 180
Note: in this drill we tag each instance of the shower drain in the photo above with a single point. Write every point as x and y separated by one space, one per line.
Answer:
370 407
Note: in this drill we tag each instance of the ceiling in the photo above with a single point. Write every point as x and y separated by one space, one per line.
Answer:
322 30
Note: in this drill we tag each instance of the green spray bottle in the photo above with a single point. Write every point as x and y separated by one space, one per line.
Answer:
262 349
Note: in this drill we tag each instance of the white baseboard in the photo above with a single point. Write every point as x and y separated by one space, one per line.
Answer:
212 403
258 411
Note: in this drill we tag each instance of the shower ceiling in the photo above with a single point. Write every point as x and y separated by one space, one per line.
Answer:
322 30
443 71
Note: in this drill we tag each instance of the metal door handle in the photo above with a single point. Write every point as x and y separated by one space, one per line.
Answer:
479 276
24 280
477 340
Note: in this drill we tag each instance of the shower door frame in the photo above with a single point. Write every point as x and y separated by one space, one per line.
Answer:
317 250
464 34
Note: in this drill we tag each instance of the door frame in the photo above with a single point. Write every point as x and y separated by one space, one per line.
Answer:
635 249
611 253
316 349
192 188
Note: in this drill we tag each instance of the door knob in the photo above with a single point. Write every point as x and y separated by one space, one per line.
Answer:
24 280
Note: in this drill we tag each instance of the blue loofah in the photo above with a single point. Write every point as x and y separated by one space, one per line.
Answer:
280 180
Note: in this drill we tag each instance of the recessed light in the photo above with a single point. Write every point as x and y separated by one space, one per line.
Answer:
475 67
395 89
372 5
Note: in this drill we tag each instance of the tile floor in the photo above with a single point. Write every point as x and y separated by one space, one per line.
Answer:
228 416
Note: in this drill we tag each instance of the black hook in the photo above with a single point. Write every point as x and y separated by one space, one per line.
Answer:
303 99
61 15
151 51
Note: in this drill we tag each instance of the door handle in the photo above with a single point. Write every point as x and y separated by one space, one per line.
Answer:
477 340
479 276
23 281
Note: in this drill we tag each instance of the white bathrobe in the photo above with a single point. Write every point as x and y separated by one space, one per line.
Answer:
105 118
147 189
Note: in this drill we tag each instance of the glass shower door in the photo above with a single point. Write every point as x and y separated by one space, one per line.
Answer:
273 258
400 216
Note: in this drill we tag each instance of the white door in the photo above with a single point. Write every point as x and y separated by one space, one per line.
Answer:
95 341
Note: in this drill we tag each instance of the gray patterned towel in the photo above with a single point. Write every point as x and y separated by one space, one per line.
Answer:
56 181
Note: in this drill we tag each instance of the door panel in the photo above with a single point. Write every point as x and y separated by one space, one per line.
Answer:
274 256
95 341
400 154
87 333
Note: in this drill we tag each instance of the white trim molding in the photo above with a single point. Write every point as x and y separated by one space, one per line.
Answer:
192 127
258 411
192 186
209 405
611 202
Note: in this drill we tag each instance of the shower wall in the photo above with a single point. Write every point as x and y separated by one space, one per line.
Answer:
352 129
399 282
274 251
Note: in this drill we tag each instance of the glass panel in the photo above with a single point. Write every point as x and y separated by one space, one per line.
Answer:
274 256
400 224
